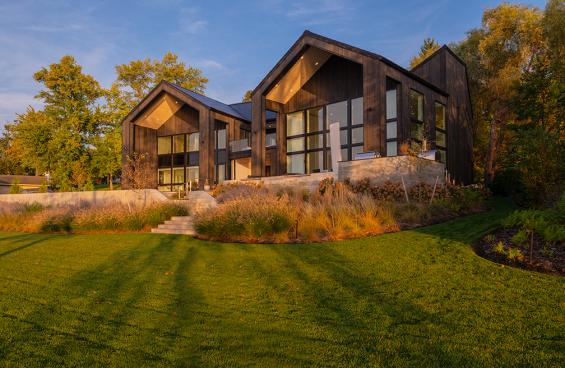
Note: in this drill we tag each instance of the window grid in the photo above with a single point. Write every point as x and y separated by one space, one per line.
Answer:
325 149
441 150
171 160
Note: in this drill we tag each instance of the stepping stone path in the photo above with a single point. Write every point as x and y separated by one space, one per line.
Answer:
198 201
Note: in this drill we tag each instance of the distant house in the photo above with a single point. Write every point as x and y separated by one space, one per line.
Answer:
375 106
28 183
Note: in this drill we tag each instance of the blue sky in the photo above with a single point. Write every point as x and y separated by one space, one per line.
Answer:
235 43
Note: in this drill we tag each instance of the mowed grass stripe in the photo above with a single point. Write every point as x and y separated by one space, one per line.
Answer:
415 298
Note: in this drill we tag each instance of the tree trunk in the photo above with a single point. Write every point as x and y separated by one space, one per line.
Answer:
491 154
110 182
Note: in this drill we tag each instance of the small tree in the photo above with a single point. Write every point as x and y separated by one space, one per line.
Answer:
15 188
138 171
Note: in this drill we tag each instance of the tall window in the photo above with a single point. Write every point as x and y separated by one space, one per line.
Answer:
391 117
308 144
221 152
295 143
177 158
416 116
441 137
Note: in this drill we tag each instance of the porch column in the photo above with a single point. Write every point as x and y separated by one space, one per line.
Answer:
374 89
258 124
206 149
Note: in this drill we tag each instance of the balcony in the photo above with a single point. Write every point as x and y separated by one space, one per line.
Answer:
271 140
240 145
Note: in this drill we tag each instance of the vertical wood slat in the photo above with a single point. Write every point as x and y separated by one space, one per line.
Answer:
258 136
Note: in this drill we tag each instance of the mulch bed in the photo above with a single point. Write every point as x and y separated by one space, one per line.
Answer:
548 259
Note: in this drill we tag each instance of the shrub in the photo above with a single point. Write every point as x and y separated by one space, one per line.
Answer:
515 254
499 248
489 238
15 188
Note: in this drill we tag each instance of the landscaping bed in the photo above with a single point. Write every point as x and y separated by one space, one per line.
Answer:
255 214
529 239
546 258
36 218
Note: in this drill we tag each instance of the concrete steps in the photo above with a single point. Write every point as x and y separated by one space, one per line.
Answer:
197 201
176 225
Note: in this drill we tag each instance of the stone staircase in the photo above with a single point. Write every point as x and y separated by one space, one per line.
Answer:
198 201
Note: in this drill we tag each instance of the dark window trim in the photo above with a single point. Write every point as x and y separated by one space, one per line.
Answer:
325 130
444 130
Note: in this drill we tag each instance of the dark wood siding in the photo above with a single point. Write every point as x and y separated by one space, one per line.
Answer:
447 71
337 80
183 121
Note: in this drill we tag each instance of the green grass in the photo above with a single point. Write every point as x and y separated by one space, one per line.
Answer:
416 298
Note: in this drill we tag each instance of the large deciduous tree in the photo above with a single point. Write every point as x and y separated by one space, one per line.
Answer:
136 78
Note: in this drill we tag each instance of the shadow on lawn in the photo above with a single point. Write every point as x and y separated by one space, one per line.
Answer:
361 316
470 228
110 308
29 240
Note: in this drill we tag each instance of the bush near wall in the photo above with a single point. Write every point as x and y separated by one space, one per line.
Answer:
36 218
252 213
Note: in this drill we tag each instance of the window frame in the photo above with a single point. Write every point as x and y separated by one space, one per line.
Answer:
414 119
396 119
171 166
326 149
441 130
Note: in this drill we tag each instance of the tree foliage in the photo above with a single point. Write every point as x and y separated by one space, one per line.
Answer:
427 49
76 137
136 78
247 96
515 66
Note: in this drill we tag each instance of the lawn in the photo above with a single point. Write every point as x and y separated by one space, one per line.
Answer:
414 298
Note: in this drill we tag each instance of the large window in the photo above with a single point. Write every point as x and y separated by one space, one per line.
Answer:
441 133
391 117
416 116
177 155
308 144
221 140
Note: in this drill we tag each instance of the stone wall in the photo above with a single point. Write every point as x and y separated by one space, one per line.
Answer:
379 170
96 198
309 181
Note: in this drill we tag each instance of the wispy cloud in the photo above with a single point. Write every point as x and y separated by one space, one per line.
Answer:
315 12
190 21
209 64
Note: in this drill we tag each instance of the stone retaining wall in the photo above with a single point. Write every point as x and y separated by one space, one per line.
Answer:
96 198
413 170
309 181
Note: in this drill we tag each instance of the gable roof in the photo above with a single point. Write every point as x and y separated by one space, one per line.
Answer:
187 96
436 52
307 35
244 109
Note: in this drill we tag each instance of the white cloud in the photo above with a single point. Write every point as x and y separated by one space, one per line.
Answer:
315 12
190 22
209 64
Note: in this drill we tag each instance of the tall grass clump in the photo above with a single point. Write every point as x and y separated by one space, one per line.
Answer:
36 218
258 214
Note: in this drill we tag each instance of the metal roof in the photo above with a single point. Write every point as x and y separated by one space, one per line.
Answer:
211 103
244 109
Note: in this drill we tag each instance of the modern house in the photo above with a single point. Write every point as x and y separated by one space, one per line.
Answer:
373 104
